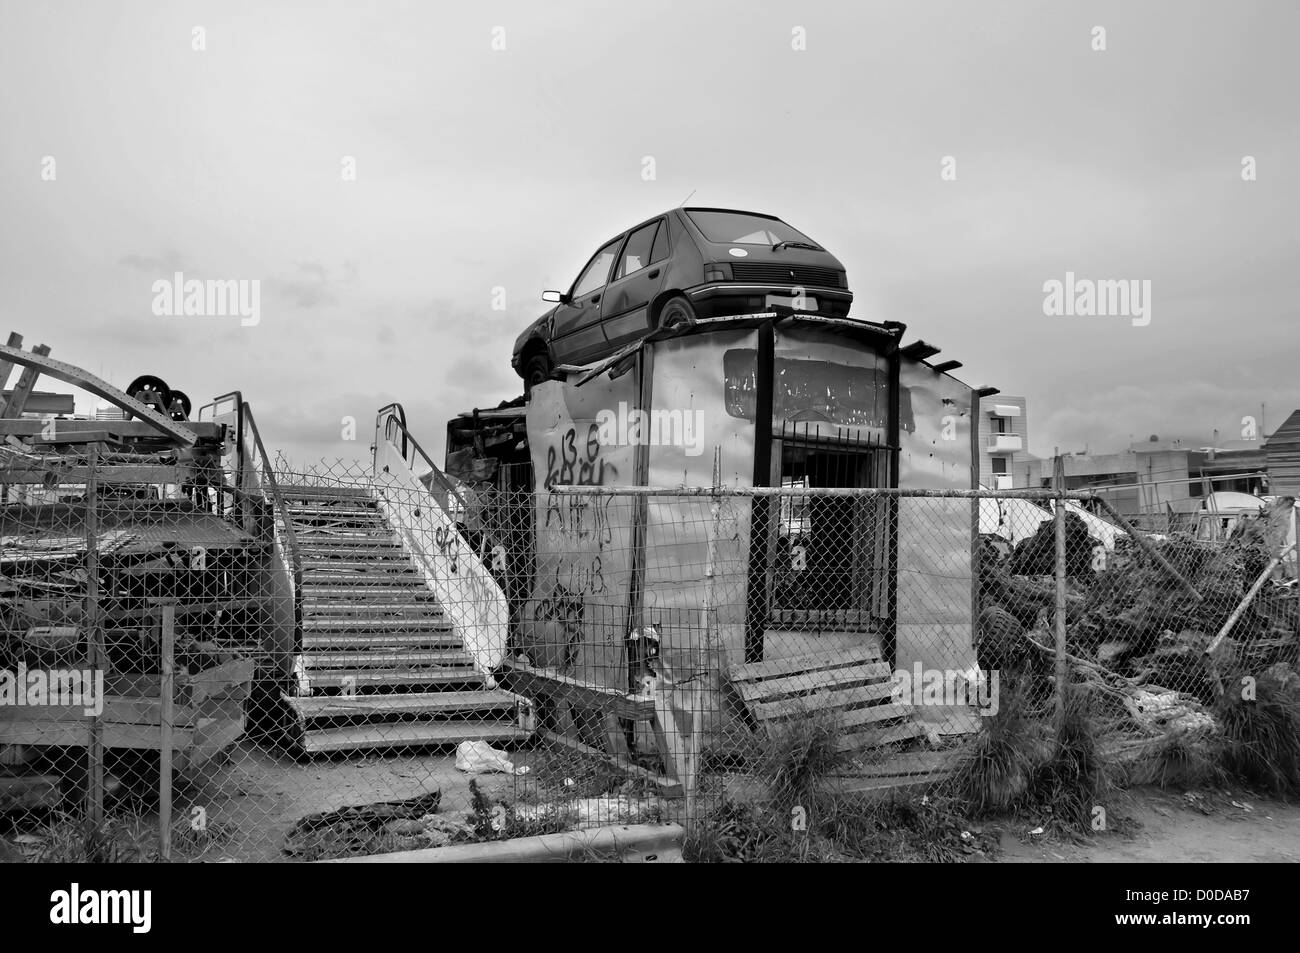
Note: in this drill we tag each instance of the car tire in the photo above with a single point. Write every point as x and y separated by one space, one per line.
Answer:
537 370
676 312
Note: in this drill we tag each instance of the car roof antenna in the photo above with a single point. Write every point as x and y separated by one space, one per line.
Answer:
687 199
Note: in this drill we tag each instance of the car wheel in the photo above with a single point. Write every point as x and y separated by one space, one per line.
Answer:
676 312
537 370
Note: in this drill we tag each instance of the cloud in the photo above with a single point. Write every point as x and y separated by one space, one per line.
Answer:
166 263
313 285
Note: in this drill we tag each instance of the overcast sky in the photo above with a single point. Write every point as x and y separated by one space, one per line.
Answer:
479 168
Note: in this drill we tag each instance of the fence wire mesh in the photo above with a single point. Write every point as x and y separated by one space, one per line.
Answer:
344 663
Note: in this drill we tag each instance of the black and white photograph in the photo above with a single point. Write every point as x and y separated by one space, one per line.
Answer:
696 433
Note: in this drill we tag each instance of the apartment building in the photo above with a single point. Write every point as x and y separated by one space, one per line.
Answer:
1004 441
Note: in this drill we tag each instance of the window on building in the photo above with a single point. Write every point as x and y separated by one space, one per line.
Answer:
999 464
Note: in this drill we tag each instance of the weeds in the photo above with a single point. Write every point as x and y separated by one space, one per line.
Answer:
1019 764
995 773
1260 738
801 816
71 840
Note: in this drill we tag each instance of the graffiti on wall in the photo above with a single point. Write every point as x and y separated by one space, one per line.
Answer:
578 461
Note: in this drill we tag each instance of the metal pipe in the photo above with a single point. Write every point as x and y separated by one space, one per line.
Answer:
1247 599
1045 495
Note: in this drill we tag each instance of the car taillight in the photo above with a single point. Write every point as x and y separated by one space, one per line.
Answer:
843 279
717 272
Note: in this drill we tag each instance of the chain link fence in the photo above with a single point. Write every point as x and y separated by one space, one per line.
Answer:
328 663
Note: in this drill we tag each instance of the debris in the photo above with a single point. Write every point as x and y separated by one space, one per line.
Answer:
479 757
1160 711
355 829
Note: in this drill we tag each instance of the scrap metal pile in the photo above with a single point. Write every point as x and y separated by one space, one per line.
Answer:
1142 620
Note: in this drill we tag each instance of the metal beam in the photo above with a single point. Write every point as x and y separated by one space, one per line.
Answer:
23 389
6 367
75 376
919 351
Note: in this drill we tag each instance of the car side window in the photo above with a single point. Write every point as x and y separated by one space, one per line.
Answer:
636 253
594 275
660 249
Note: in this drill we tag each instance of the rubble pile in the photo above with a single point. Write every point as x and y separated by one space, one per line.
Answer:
1135 622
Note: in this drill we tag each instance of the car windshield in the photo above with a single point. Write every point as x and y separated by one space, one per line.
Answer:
738 228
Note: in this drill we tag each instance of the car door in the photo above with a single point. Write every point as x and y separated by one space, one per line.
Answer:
576 334
638 277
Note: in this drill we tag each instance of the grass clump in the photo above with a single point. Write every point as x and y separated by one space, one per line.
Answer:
1260 736
1029 759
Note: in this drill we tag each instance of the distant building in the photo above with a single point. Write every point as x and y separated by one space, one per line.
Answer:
1156 482
1282 457
1004 441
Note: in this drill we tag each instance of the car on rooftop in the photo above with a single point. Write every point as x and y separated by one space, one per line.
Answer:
685 265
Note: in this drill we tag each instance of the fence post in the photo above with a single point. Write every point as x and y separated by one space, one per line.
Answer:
1062 670
167 679
94 641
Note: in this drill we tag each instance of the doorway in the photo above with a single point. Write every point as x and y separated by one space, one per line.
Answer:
829 552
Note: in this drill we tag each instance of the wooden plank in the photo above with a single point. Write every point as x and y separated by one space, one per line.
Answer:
100 388
58 439
231 679
811 662
60 473
121 429
117 710
527 680
671 739
7 366
882 736
822 701
805 682
22 390
905 763
47 402
852 717
667 784
77 734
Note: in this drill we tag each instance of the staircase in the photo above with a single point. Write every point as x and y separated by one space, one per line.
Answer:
382 665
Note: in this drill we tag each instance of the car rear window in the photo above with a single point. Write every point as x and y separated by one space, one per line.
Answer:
737 228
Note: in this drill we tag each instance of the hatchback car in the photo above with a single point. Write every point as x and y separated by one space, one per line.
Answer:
683 265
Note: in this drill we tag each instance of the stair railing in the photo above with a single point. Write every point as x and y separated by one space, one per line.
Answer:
391 419
264 478
251 481
466 590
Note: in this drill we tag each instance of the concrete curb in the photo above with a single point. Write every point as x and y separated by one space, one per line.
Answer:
632 843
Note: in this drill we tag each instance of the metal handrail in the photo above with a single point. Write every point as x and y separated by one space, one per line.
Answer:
408 439
280 509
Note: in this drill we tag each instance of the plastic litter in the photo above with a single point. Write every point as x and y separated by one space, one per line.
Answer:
479 757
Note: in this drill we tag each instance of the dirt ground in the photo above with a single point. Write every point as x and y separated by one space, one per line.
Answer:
254 797
1155 826
257 797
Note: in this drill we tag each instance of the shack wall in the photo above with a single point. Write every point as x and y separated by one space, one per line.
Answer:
936 537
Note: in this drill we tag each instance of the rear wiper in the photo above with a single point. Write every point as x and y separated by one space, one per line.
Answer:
779 245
